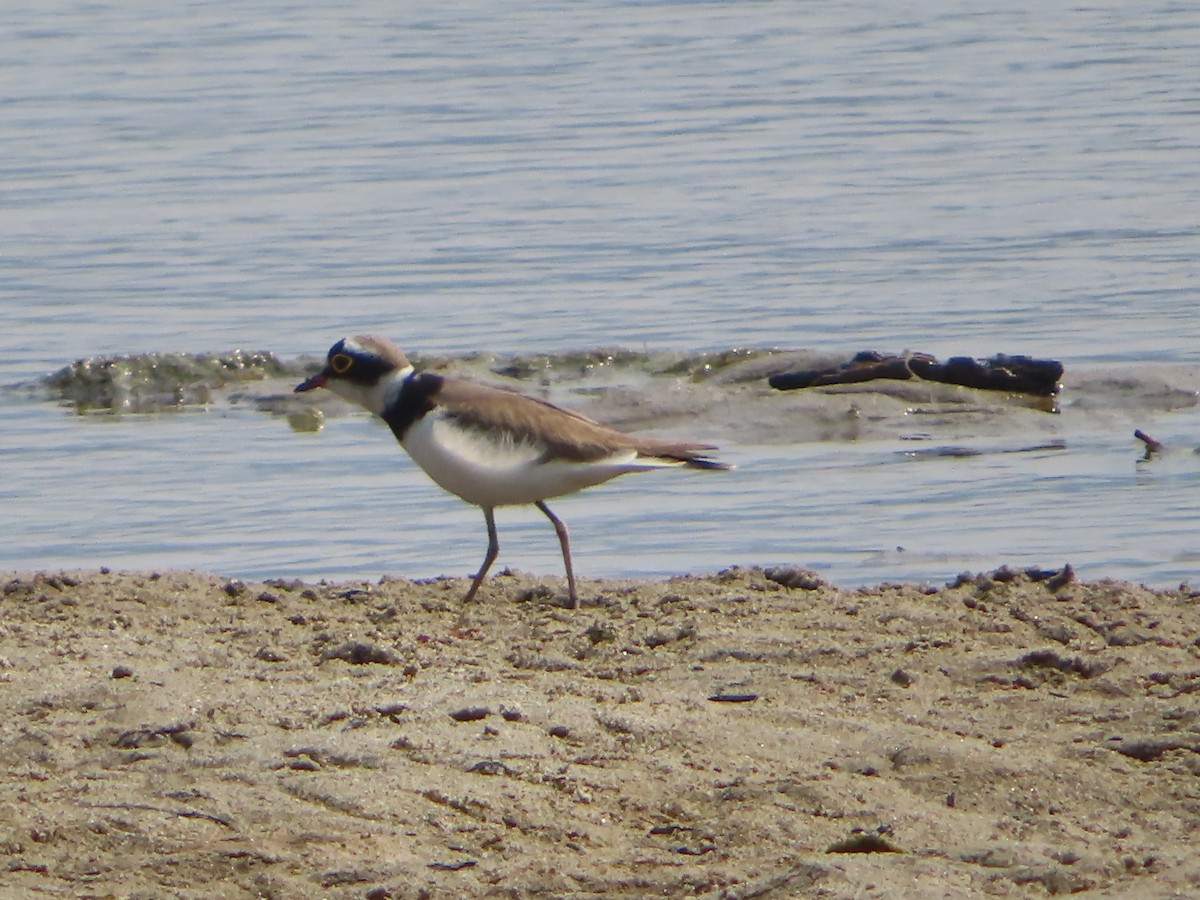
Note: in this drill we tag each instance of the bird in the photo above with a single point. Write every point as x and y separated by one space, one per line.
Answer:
490 445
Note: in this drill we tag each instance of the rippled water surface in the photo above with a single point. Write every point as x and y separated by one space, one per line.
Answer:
525 178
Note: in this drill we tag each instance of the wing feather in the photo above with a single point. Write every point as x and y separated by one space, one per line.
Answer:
565 434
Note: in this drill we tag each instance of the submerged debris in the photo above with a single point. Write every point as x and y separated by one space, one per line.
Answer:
151 382
696 366
1015 374
1152 446
528 366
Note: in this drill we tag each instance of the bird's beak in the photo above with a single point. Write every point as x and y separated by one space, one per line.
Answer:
316 381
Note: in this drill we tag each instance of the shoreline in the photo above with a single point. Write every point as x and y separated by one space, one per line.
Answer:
712 735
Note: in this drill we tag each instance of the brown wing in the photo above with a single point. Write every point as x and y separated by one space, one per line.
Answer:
564 433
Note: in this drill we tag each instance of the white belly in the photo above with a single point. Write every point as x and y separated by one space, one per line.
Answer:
504 472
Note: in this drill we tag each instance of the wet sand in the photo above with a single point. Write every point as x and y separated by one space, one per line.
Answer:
744 734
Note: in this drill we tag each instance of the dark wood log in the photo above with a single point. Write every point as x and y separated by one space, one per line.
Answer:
1014 374
865 366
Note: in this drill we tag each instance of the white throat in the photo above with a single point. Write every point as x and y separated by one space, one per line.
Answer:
374 398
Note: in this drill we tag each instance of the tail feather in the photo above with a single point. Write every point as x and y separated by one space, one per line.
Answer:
694 456
703 462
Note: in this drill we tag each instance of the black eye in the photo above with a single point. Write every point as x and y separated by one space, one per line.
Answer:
340 363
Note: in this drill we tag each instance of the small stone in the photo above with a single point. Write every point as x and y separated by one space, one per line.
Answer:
470 714
1127 636
723 696
961 580
489 767
359 653
290 585
795 577
1062 579
599 632
391 710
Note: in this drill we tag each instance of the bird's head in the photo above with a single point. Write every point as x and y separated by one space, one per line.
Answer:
361 369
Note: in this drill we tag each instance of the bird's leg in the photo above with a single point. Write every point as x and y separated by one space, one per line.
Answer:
492 550
565 542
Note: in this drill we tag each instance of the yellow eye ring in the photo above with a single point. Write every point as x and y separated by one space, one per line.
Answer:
340 363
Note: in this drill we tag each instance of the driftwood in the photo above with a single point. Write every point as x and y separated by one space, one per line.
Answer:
1015 374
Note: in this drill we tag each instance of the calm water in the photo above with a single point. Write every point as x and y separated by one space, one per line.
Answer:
521 177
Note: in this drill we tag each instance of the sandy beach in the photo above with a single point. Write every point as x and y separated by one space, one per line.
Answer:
744 734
